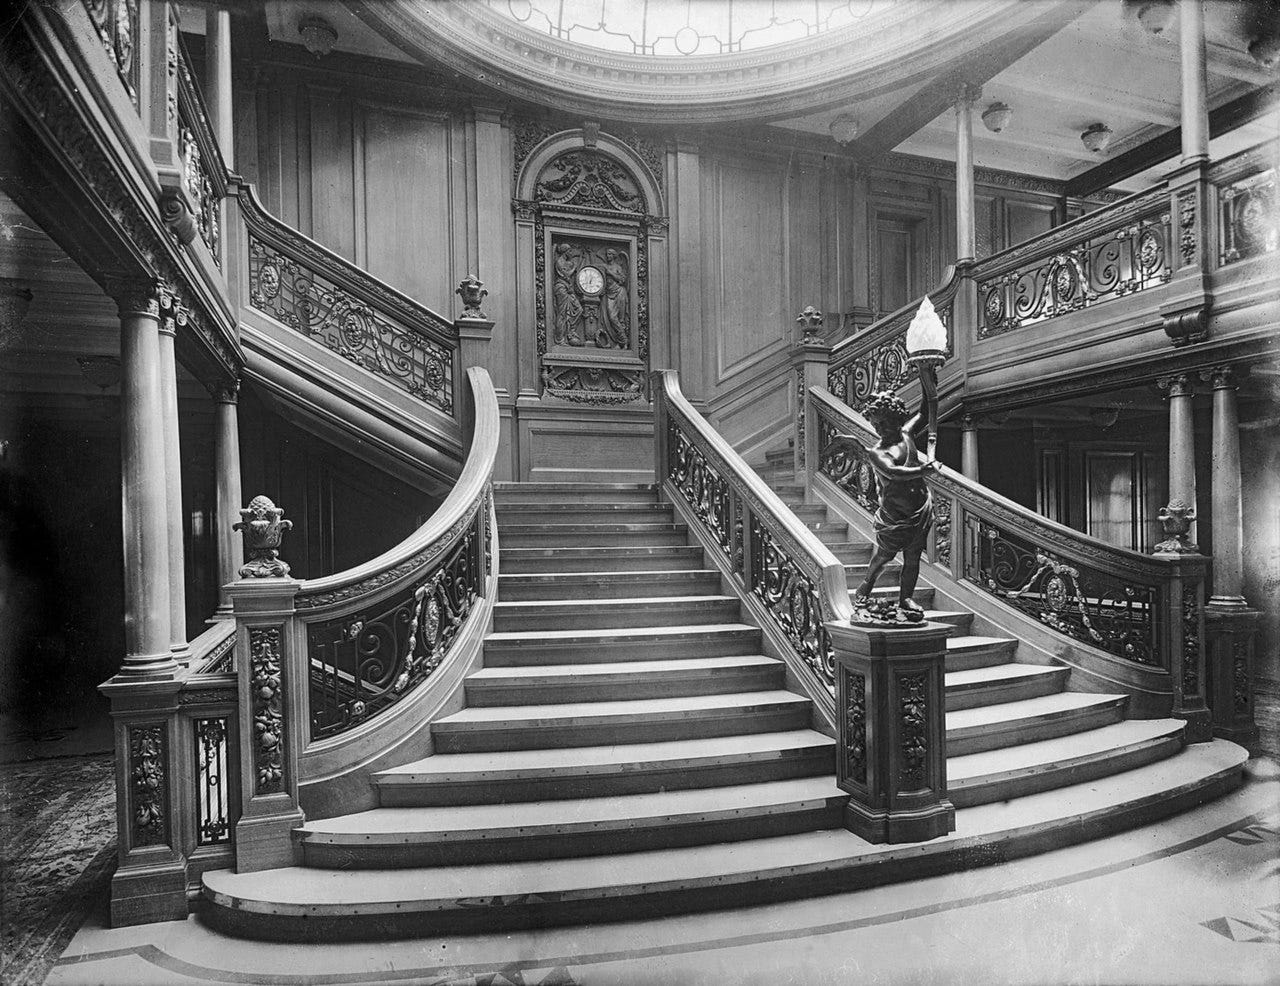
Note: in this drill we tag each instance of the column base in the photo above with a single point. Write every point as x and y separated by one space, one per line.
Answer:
148 666
1226 604
143 894
890 826
267 842
1199 724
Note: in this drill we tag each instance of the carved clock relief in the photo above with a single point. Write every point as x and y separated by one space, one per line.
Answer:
591 236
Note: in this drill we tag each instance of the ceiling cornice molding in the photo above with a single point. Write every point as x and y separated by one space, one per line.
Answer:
879 55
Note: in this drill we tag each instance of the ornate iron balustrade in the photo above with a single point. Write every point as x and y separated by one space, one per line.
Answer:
1141 609
1112 253
364 662
774 558
203 172
876 359
312 290
1248 206
116 22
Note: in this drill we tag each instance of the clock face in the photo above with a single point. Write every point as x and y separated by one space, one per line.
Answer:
590 280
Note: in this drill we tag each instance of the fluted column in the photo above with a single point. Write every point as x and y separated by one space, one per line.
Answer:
218 71
1178 516
227 494
172 474
1195 95
143 487
1228 560
969 447
966 240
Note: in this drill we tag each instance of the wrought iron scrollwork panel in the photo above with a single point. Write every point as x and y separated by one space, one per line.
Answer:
1249 218
213 785
707 493
792 599
287 291
367 662
853 379
1080 602
848 468
1102 267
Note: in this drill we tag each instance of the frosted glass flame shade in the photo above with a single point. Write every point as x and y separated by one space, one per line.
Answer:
926 334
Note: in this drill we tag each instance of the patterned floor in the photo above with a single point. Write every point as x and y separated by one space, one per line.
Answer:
57 853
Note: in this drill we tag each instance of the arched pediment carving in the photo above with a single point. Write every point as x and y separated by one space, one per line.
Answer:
612 157
587 177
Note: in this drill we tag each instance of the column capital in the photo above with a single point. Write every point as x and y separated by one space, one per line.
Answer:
226 391
1222 377
136 296
969 422
1177 384
966 94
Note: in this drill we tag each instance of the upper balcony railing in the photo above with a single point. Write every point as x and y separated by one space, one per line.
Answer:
204 174
1248 213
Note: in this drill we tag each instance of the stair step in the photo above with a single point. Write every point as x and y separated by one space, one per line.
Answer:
830 531
581 513
596 645
1002 683
852 552
517 561
965 653
592 535
582 614
628 768
305 904
923 594
959 620
602 585
443 836
514 491
991 727
525 727
1016 771
617 679
780 455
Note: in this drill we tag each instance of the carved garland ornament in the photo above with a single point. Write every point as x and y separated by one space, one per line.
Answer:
149 785
855 726
913 689
1241 687
266 690
1190 641
1187 227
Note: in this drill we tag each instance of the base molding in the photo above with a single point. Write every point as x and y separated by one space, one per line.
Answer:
899 825
148 893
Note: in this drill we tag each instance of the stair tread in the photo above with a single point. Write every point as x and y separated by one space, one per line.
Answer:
972 642
624 668
507 485
576 813
615 633
612 603
619 707
1046 753
512 764
1028 708
640 576
298 889
1000 673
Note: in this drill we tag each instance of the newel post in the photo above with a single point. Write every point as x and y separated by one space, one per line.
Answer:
891 755
809 361
1182 636
273 693
475 328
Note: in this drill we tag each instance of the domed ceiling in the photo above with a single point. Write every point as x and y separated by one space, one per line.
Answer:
663 61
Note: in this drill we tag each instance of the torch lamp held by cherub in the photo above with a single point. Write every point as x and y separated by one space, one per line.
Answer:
905 512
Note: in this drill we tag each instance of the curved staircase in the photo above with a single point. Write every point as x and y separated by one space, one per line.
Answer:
629 749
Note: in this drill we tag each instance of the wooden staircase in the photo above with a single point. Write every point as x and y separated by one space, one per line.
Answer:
630 749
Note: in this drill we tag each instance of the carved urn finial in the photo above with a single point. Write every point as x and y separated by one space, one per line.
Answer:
263 524
810 321
1176 520
472 291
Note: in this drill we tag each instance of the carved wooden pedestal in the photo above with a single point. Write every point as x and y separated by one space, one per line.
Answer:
891 708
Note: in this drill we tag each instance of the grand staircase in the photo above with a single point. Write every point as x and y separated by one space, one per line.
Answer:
629 748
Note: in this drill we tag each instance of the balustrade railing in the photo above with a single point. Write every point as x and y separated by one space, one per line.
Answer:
778 561
312 290
876 358
204 176
1145 610
1248 206
1118 251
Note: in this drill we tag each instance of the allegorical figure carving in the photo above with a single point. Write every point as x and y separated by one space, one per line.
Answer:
905 514
566 306
617 301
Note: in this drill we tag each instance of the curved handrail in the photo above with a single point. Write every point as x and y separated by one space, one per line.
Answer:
368 581
899 319
1131 605
770 551
375 631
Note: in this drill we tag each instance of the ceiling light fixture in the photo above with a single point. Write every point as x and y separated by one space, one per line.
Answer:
318 35
1154 15
996 117
1265 49
844 128
1096 138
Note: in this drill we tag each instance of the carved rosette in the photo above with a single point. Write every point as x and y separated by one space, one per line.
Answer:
149 786
855 726
266 692
1190 641
263 525
913 704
